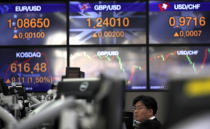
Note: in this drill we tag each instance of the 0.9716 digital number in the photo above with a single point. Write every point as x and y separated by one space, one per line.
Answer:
182 21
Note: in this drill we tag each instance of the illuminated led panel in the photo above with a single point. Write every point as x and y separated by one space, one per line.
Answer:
107 22
179 22
167 62
129 60
36 68
32 24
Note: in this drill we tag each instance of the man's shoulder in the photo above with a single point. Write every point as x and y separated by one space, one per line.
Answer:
150 124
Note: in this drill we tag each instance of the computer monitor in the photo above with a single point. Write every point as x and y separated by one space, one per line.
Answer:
80 88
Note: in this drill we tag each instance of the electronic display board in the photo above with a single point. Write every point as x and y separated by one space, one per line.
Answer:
166 62
33 23
176 21
130 60
109 22
36 68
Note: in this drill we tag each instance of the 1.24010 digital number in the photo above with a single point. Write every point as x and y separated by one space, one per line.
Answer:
109 22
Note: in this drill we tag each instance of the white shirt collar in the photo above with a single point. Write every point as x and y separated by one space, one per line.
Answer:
138 122
151 118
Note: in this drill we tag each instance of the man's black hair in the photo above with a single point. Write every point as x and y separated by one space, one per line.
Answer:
148 101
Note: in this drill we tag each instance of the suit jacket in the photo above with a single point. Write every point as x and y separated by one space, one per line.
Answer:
150 124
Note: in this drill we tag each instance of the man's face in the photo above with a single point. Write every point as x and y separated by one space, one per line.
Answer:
141 113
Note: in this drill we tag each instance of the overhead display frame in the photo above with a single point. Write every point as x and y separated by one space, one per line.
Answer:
107 22
33 23
34 68
179 22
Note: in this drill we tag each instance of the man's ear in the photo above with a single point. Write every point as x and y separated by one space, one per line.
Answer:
150 111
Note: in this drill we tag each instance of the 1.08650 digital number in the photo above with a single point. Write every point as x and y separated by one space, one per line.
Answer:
30 23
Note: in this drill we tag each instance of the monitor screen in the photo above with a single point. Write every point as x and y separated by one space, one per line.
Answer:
129 60
179 21
167 62
109 22
36 68
33 23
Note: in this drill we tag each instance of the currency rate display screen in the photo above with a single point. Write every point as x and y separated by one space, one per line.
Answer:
179 22
32 24
177 61
107 23
131 61
36 68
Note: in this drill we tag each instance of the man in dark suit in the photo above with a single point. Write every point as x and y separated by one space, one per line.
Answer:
145 108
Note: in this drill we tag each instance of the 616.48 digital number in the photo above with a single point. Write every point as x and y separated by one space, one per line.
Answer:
38 67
